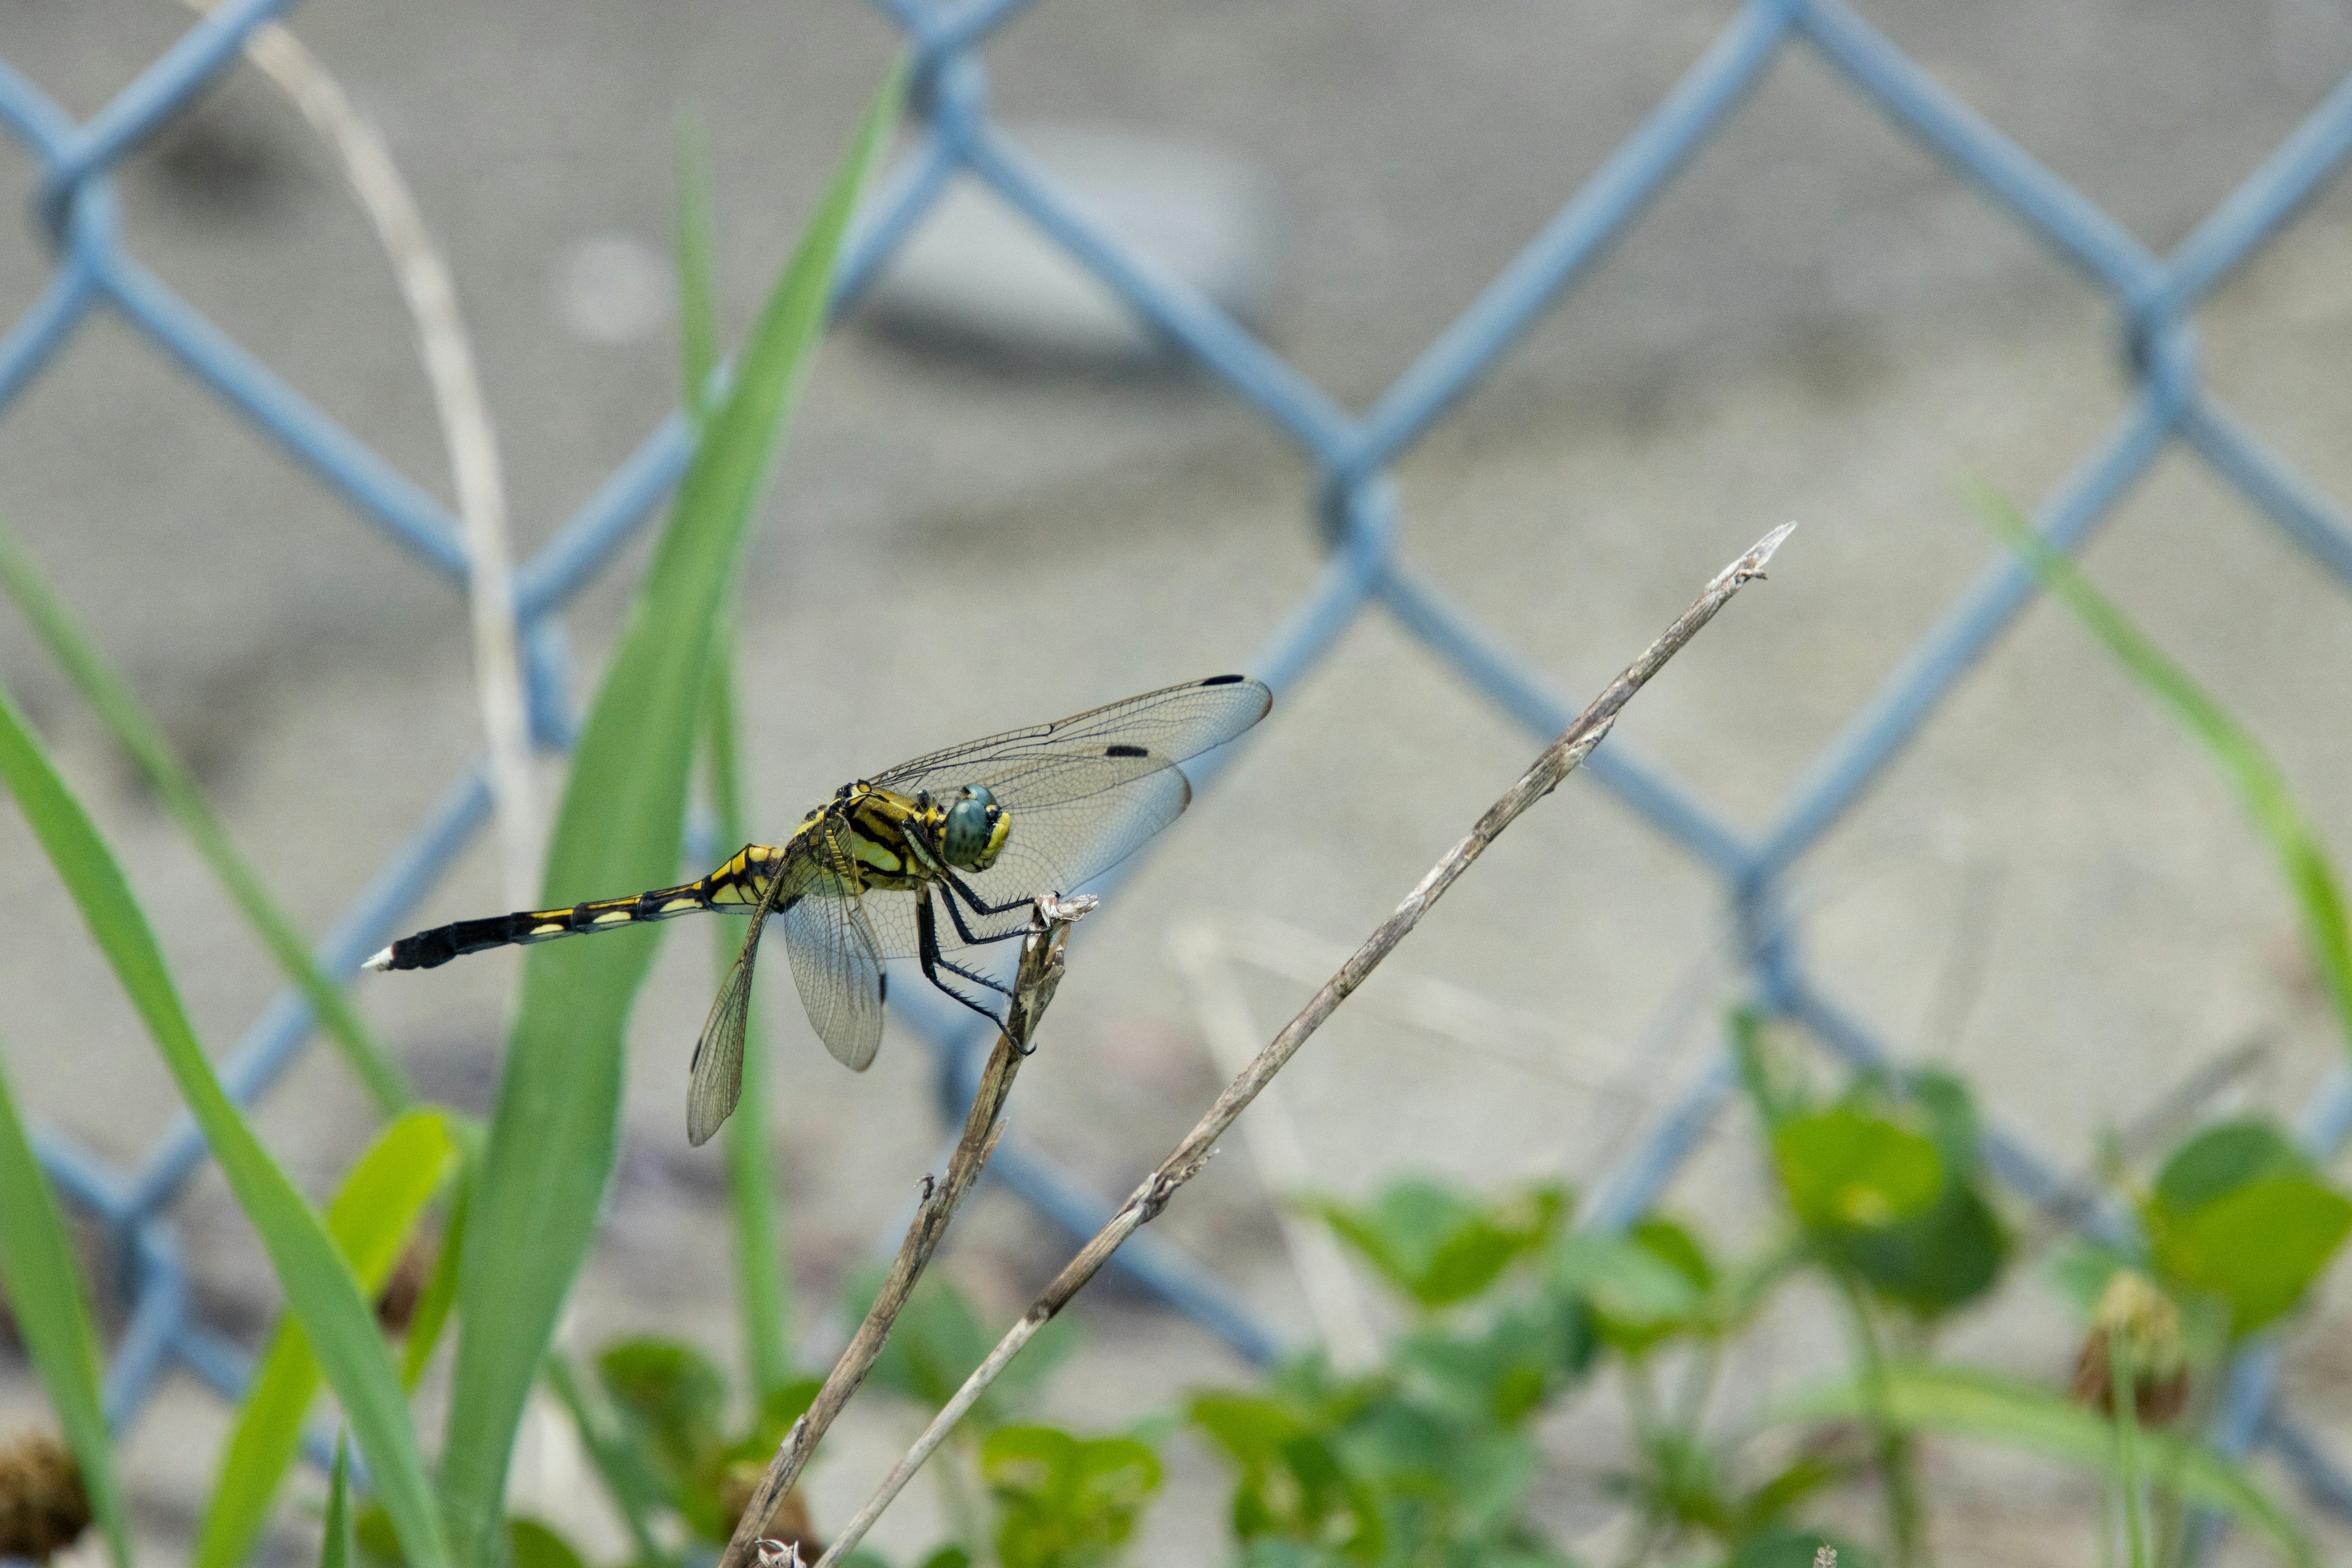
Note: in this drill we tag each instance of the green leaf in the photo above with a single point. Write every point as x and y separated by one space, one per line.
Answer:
1291 1482
110 696
1065 1501
371 1220
341 1544
1643 1287
555 1130
1845 1169
1438 1248
2262 786
1936 1261
672 1394
1503 1372
44 1287
2223 1157
320 1290
1962 1402
531 1544
2258 1247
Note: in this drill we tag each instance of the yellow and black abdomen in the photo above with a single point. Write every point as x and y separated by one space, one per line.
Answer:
736 885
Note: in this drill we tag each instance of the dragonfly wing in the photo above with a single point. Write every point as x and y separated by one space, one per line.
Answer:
1065 759
715 1080
838 961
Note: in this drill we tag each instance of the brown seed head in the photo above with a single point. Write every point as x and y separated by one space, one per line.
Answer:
42 1508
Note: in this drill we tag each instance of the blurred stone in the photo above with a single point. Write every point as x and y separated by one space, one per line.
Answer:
613 289
979 275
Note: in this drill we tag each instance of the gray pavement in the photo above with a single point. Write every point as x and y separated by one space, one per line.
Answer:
2052 892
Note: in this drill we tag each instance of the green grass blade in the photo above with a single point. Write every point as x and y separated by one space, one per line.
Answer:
763 1285
320 1290
342 1545
371 1220
697 309
553 1135
2260 785
1963 1402
37 1259
111 698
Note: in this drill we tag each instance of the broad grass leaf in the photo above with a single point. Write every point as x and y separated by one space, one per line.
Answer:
111 699
371 1219
2261 784
1984 1407
320 1290
554 1132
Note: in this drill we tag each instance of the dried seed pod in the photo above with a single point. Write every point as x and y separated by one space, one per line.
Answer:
2141 1320
42 1508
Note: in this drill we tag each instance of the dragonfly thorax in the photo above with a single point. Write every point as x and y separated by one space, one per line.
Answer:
974 831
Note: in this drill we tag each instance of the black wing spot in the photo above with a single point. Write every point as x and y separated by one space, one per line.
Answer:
1125 752
1224 681
882 987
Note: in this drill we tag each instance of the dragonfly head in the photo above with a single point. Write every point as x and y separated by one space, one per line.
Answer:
975 830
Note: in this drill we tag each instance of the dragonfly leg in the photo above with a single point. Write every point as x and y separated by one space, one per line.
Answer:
926 949
963 929
981 906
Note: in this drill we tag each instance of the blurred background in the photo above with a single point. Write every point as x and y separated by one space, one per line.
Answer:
1000 502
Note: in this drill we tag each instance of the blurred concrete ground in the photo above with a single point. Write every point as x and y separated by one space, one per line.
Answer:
2052 892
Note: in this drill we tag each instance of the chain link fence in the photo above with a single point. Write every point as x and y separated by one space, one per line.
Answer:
2156 298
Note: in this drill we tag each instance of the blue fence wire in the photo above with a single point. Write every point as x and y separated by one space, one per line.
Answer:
2156 298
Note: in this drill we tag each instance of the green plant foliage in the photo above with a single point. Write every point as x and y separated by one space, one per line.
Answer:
2217 1160
1889 1193
1846 1170
1963 1402
1646 1286
2258 1246
1065 1501
672 1438
44 1293
531 1544
371 1219
2238 1215
110 698
1429 1459
1435 1248
553 1135
1291 1483
2261 784
320 1290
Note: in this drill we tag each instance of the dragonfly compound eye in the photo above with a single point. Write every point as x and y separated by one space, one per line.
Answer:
975 831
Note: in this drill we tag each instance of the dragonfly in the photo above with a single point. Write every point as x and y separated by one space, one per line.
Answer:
980 830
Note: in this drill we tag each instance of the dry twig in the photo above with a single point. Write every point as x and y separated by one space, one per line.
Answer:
1041 971
1189 1157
